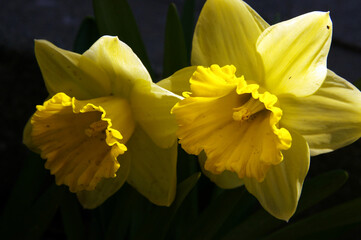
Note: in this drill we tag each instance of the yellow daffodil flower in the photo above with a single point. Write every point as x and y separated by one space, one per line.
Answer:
261 101
105 123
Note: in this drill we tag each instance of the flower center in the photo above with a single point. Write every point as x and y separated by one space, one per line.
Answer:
96 129
248 110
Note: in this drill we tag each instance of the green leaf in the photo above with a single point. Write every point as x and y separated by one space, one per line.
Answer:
217 212
256 225
87 35
188 212
321 187
34 222
337 233
40 215
121 220
30 182
96 226
115 17
72 219
341 215
158 220
247 206
188 23
314 190
175 51
357 83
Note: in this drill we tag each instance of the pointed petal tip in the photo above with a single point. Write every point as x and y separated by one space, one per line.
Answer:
41 42
297 69
325 15
285 217
109 37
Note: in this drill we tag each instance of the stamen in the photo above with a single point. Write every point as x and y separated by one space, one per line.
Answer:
242 114
96 128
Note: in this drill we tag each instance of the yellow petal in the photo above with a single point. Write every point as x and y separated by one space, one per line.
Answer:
78 139
262 24
328 119
153 169
151 107
294 54
226 33
226 179
62 72
179 81
213 81
281 189
106 187
119 62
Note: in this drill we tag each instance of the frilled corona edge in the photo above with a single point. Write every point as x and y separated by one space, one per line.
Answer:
77 140
234 121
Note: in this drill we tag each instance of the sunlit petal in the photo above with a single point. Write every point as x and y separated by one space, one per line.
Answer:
62 73
119 63
328 119
294 54
226 33
179 81
151 106
281 189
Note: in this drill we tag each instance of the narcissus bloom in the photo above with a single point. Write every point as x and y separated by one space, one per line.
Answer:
105 123
262 100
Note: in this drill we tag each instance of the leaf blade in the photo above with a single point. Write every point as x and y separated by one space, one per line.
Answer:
175 51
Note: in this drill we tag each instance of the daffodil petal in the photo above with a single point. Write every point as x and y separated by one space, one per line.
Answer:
119 62
153 169
226 179
226 33
281 189
328 119
179 81
294 54
106 187
62 72
151 106
262 24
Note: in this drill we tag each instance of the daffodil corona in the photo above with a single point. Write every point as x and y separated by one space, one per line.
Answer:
261 101
234 122
78 139
105 123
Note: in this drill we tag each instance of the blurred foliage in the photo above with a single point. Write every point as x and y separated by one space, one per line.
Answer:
175 52
225 214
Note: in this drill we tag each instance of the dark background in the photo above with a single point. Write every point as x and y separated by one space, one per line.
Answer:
58 20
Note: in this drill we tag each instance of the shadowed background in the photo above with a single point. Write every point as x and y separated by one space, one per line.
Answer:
58 20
